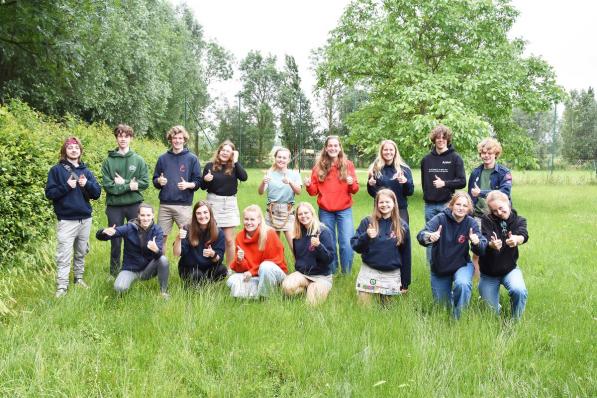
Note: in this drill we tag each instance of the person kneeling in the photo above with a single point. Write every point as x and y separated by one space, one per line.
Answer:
383 240
313 250
201 246
259 261
143 258
505 230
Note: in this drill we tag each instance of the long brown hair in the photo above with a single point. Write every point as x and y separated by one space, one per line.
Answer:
396 223
196 234
217 163
324 162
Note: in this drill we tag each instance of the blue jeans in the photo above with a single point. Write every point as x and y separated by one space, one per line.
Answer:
342 220
454 290
431 209
489 288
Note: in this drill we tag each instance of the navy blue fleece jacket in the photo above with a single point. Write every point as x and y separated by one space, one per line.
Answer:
311 260
175 166
400 190
192 257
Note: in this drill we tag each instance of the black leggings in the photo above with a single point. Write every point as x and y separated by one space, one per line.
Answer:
195 276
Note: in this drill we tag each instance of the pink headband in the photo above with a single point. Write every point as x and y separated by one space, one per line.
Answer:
70 141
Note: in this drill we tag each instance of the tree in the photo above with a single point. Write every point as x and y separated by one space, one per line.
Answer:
579 127
297 129
429 61
539 127
260 79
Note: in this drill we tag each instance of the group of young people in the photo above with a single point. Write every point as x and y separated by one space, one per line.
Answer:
253 260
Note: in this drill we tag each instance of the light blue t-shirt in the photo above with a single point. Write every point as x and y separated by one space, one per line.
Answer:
279 192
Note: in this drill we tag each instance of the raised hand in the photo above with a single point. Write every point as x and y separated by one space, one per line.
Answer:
235 156
315 240
182 233
266 178
371 231
372 181
349 180
82 180
475 191
208 177
438 182
495 242
512 240
434 236
182 185
134 185
72 181
151 245
307 181
110 231
473 237
285 179
118 180
209 252
162 180
240 254
401 178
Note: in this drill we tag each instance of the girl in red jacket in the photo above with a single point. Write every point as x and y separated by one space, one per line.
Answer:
259 261
334 181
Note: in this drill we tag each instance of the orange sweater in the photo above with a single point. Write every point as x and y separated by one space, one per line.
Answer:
334 194
274 252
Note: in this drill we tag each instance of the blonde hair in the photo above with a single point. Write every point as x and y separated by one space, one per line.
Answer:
275 153
497 195
177 130
379 163
324 162
461 194
313 229
395 216
490 144
262 228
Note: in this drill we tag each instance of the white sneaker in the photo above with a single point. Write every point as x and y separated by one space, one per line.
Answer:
81 283
60 292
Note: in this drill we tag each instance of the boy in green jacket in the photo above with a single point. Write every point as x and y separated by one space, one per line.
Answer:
124 176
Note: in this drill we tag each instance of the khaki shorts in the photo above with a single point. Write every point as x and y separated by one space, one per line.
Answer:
168 214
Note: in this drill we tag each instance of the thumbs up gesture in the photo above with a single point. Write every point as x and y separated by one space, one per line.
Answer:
118 180
82 180
240 254
285 179
209 252
512 240
434 236
266 178
110 231
349 180
473 237
182 233
72 181
162 180
438 182
495 242
315 240
208 177
371 231
182 185
307 181
151 245
401 177
134 185
475 191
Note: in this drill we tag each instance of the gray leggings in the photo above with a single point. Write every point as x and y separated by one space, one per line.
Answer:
157 267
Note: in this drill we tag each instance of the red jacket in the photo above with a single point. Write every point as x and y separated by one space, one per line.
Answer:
274 252
333 194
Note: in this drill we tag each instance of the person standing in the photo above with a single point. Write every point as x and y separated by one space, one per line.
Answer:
220 178
143 257
505 230
177 175
442 172
71 186
334 181
281 185
391 172
124 177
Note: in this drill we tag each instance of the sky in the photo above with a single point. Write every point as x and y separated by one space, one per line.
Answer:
560 32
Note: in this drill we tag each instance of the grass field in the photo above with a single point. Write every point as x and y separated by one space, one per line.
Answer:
204 343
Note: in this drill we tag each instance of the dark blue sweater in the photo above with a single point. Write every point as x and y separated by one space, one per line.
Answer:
192 257
381 252
71 203
136 254
451 251
174 166
385 181
314 260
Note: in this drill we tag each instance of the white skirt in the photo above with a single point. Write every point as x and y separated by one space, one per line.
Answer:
371 280
225 209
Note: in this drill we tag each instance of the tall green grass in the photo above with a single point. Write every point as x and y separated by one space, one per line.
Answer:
205 343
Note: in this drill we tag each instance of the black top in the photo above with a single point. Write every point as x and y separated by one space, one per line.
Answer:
449 167
222 184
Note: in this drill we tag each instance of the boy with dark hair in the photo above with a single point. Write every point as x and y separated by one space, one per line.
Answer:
71 186
124 176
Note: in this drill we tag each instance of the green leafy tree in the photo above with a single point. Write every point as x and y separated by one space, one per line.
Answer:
260 79
539 127
424 62
579 127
